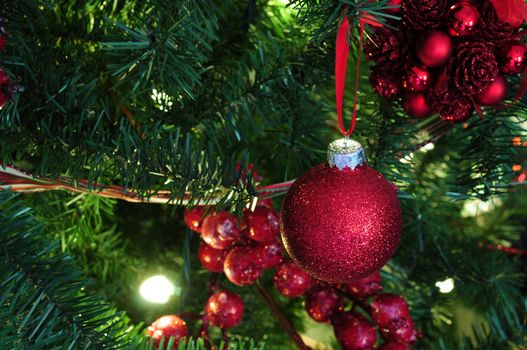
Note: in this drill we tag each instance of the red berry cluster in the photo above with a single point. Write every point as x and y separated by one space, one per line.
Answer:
445 57
6 87
241 251
354 309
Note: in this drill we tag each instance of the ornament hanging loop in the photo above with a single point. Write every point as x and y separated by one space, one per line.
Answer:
341 63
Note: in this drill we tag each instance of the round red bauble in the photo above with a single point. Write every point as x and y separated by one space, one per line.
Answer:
291 281
220 230
463 19
224 309
417 106
354 332
494 94
242 266
341 222
194 218
167 327
322 303
366 286
211 259
391 313
434 48
263 224
417 78
512 58
3 39
270 253
395 346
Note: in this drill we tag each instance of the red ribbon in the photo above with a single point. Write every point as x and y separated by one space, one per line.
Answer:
341 63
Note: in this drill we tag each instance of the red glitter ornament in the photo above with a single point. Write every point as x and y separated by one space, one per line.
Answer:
242 266
417 78
263 224
463 19
211 259
416 105
434 48
220 230
194 218
391 313
354 332
270 254
494 94
291 281
224 309
395 346
322 303
366 286
512 58
167 327
341 221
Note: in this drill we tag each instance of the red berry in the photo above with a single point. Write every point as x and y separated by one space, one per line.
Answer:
242 266
291 281
322 303
366 286
263 224
391 313
395 346
224 309
270 253
220 230
267 202
4 78
211 259
194 218
354 332
167 327
3 98
3 39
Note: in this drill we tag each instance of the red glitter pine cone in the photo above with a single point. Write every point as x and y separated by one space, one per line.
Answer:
424 14
473 68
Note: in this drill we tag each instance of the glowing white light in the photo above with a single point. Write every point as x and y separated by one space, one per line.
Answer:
157 289
407 159
162 99
474 207
445 286
428 147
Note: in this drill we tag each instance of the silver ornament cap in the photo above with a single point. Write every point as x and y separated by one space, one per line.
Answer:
344 153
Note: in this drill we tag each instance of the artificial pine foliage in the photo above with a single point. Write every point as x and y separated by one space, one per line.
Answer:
193 101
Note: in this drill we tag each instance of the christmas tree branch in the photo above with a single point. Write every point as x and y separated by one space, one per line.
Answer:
280 317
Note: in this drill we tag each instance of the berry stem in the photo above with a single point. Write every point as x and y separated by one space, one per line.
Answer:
280 316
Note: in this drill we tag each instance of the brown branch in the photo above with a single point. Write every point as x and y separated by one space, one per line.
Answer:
280 316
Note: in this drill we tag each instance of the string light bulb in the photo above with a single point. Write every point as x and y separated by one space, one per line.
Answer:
445 286
157 289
